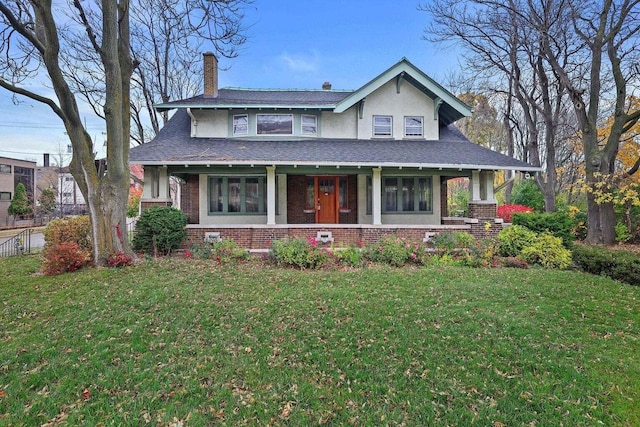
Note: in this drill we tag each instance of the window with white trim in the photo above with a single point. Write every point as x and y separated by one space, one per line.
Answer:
382 125
240 124
274 124
237 195
308 125
413 126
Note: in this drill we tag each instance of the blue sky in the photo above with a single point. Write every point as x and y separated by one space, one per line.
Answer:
292 44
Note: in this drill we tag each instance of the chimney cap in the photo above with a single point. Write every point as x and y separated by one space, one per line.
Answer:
326 86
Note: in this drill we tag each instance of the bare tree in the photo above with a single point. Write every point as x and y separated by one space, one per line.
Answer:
167 40
605 62
31 50
506 57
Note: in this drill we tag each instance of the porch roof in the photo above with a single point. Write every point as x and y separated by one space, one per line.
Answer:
174 146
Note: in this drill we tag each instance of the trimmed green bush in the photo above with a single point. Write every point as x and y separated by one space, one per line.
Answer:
159 230
513 239
298 253
619 265
558 224
547 251
526 192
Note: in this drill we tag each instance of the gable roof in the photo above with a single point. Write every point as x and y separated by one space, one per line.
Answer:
450 109
174 146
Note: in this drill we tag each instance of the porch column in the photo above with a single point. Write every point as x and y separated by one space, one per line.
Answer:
488 184
271 195
475 186
376 190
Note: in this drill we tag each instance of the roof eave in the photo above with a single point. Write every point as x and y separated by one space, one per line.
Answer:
443 166
167 107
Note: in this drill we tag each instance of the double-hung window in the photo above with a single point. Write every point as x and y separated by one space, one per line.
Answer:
407 194
382 125
237 195
413 126
309 125
240 124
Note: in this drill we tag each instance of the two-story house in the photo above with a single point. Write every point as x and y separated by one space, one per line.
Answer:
12 173
341 165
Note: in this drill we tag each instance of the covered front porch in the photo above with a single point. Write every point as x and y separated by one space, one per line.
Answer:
342 205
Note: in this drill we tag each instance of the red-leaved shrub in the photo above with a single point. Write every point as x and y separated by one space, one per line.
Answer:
506 211
67 256
119 259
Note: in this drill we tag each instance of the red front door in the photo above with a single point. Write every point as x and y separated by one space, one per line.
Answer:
326 199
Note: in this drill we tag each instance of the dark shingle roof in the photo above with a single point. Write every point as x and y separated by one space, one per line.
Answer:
173 145
229 97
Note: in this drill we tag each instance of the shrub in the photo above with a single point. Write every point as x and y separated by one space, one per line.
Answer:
159 230
547 251
447 242
513 239
226 250
514 262
506 211
65 230
619 265
395 251
119 259
622 233
202 250
298 253
351 256
527 192
558 224
64 257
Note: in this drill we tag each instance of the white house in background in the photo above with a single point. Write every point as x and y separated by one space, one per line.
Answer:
341 165
70 200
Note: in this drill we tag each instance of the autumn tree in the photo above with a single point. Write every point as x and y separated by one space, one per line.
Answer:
505 57
603 64
47 201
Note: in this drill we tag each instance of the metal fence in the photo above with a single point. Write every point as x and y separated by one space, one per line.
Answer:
17 245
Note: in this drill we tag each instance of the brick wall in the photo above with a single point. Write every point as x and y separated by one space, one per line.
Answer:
483 210
190 198
145 204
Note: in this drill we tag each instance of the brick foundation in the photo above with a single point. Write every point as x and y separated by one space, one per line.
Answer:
260 237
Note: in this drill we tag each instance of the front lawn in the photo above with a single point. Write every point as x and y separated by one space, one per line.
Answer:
187 342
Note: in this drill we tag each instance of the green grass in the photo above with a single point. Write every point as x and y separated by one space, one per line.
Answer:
189 341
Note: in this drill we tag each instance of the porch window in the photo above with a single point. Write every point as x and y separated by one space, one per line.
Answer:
5 196
344 192
413 126
310 194
274 124
309 125
405 194
240 124
382 125
5 168
237 195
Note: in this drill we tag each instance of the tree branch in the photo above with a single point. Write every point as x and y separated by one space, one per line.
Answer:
34 96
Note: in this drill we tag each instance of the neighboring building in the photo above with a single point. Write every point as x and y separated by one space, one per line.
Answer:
13 172
341 165
69 197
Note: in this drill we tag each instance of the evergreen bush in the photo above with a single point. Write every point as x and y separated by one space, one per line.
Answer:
160 230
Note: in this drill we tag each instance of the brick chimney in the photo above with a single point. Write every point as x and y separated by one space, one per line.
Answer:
210 75
326 86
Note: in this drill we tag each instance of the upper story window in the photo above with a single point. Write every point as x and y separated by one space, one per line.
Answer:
241 124
382 125
5 168
413 126
274 124
309 125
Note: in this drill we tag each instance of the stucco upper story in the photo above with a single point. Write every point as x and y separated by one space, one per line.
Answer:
401 117
401 103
